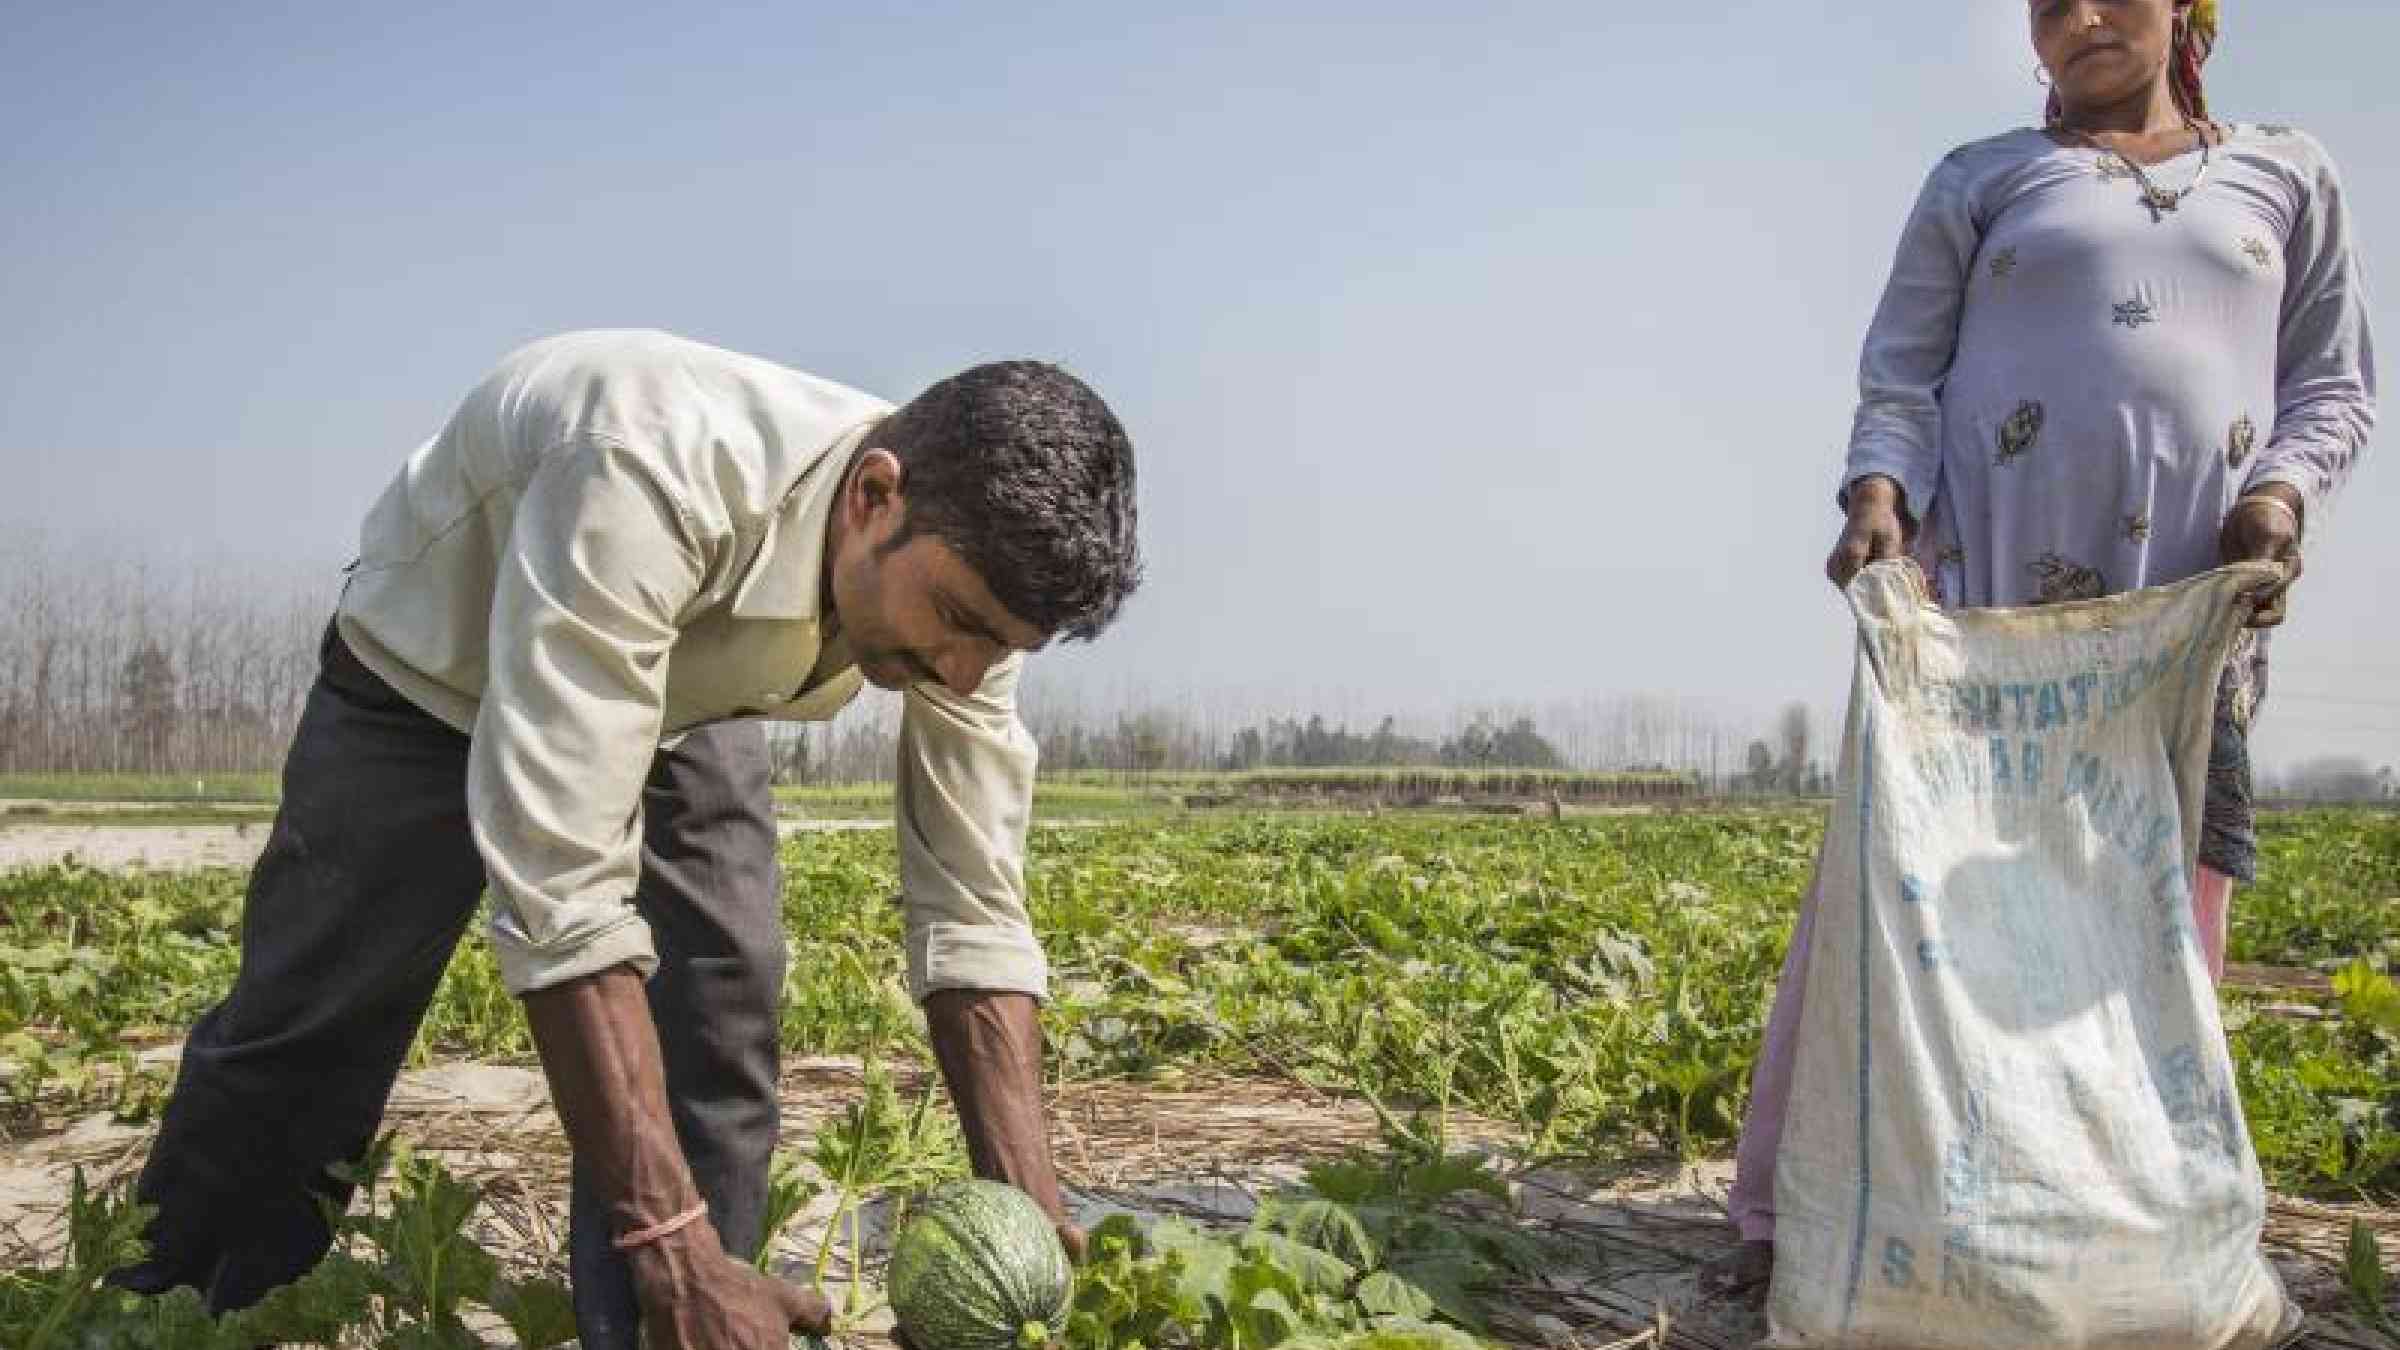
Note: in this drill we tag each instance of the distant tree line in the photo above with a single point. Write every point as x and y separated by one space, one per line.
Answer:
860 748
116 664
112 666
2339 778
1484 743
1076 739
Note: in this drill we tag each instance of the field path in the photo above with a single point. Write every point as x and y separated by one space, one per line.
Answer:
174 848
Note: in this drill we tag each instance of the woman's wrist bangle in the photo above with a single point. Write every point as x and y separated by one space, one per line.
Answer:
2270 499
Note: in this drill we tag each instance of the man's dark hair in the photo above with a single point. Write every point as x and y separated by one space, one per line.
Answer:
1023 471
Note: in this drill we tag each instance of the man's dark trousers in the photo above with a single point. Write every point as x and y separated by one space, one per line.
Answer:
369 879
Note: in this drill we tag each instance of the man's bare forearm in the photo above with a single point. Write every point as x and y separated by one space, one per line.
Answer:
600 1051
989 1046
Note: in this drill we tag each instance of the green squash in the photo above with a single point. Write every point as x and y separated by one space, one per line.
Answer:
977 1266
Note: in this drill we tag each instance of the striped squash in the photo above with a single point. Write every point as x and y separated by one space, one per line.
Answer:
977 1266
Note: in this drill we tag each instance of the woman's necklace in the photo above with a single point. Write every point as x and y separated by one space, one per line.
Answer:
2159 200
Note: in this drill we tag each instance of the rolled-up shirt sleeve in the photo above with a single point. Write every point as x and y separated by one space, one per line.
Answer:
2325 354
600 564
1897 430
965 797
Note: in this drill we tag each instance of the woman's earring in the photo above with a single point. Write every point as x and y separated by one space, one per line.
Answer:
2041 74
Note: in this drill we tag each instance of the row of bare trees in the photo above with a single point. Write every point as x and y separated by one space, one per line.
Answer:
111 663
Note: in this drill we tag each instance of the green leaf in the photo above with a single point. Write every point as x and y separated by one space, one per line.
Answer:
1350 1180
1328 1226
1124 1297
317 1308
103 1233
445 1335
2369 997
1207 1263
1319 1271
1450 1175
434 1261
788 1192
2363 1276
33 960
104 1230
1122 1228
1384 1294
177 1320
1450 1282
1404 1335
1271 1317
539 1313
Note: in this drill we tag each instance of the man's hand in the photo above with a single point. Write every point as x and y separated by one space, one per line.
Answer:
2264 531
990 1048
1878 528
695 1297
600 1052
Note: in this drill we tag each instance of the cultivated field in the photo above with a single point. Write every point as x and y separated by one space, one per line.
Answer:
1512 1052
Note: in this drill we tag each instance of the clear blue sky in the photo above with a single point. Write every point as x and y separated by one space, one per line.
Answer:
1473 351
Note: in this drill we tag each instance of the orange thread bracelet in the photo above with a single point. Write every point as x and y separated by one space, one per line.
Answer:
656 1231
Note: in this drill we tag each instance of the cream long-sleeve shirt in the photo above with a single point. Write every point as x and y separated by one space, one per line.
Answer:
619 536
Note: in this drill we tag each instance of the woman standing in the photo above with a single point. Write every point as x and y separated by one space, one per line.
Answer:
2114 352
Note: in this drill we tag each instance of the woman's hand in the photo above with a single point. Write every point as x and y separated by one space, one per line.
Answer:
1878 528
2264 526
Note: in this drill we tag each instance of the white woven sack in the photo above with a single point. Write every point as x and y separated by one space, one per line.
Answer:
2013 1120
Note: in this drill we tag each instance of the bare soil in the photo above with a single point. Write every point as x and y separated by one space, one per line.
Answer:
1636 1237
176 847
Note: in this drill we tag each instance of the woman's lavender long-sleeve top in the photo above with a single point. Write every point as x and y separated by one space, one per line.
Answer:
2072 391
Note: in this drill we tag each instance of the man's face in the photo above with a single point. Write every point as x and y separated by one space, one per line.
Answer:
915 612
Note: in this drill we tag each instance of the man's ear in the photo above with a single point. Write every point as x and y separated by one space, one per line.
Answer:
874 484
